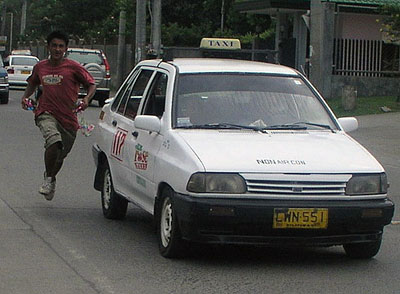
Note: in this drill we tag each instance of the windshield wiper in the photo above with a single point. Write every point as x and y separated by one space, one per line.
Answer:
286 127
301 125
224 126
328 127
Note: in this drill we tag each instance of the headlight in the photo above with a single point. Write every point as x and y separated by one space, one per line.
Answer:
367 184
216 183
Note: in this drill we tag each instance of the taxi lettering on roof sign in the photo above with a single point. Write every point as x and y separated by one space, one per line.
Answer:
215 43
237 152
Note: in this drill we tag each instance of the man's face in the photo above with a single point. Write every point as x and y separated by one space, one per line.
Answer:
57 49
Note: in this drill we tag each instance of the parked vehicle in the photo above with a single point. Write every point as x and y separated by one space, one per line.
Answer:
19 68
96 63
237 152
4 86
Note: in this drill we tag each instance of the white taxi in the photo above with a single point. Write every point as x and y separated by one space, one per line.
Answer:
19 68
237 152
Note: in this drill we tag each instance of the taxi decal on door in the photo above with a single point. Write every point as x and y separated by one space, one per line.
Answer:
118 143
141 157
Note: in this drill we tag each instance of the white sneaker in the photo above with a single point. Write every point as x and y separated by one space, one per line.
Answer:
48 188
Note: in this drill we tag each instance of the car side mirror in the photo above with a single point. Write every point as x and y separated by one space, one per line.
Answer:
149 123
348 124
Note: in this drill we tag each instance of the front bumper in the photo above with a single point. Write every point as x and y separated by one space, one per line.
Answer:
250 221
4 88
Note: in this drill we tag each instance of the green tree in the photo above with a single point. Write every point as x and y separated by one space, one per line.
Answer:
184 22
391 22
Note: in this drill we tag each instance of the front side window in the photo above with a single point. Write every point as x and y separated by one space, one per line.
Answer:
155 104
259 100
134 87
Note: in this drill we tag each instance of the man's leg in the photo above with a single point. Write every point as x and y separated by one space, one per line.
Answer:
53 160
58 143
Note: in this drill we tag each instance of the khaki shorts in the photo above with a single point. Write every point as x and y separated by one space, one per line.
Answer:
53 132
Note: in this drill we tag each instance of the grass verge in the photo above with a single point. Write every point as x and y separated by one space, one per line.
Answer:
365 105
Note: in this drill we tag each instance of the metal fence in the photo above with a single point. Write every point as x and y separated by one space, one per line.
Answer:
369 58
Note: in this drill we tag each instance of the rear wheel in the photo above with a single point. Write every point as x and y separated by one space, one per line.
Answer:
169 236
114 206
363 250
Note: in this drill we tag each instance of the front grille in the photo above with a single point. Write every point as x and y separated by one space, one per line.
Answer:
296 188
297 185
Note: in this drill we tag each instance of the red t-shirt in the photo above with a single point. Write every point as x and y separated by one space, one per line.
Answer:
60 88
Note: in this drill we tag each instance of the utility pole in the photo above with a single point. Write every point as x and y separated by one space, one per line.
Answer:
11 30
156 27
140 44
23 17
121 47
222 15
3 18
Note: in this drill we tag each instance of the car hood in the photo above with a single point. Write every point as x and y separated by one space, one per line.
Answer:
280 151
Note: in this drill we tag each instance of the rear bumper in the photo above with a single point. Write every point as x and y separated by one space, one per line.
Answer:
248 221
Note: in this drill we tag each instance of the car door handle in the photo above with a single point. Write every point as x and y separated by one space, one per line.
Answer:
135 134
114 123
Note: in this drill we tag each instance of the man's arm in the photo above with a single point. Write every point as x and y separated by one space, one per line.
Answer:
91 89
30 89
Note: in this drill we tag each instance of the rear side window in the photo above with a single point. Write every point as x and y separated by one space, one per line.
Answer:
86 57
23 61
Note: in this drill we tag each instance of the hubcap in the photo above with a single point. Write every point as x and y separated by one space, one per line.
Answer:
107 190
166 222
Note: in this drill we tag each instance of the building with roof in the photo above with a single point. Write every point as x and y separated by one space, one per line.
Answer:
335 42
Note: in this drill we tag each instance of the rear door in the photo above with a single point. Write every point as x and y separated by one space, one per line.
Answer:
120 123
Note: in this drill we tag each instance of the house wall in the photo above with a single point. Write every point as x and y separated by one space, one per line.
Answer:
366 86
358 26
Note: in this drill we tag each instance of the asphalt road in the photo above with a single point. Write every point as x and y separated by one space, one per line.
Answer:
66 246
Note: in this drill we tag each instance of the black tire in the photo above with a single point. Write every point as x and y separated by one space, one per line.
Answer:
4 99
114 206
170 243
102 97
362 250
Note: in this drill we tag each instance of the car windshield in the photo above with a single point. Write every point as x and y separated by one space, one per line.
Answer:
23 61
85 57
259 101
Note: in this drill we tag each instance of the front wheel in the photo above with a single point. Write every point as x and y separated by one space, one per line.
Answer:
169 237
114 206
4 98
362 250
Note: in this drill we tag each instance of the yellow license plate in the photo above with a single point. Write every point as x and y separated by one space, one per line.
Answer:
300 218
25 72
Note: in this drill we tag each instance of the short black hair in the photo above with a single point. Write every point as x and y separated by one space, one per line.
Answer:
57 35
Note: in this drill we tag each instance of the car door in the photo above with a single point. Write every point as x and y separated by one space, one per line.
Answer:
121 126
144 145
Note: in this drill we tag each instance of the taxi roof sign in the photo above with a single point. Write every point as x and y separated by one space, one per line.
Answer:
217 43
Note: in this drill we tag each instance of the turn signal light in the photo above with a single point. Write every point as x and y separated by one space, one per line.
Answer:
221 211
372 212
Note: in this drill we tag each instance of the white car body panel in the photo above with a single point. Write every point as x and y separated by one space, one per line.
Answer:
173 155
278 152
